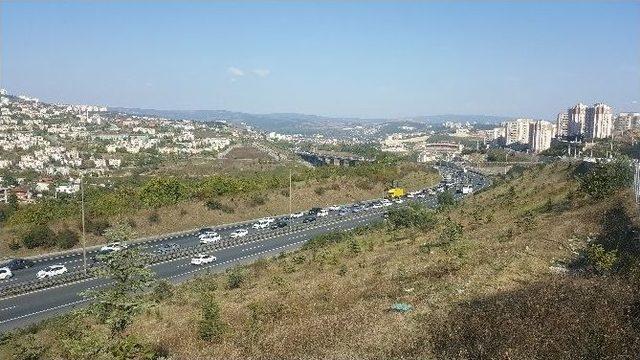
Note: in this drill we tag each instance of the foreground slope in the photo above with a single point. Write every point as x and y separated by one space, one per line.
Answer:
502 287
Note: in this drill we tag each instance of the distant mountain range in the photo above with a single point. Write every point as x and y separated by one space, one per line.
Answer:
301 123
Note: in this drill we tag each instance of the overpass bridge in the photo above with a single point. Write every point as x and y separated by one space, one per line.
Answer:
319 159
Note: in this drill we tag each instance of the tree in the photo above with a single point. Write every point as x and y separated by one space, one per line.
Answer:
605 178
445 200
117 305
162 191
414 215
66 239
39 236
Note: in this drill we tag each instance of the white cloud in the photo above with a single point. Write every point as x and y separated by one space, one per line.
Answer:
262 72
235 71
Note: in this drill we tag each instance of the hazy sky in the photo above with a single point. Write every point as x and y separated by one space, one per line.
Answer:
348 59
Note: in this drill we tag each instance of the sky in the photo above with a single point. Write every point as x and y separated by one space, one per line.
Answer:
355 59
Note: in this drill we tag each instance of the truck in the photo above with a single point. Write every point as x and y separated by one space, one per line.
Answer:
467 190
395 193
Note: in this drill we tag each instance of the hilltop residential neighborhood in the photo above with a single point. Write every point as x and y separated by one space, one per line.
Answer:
46 148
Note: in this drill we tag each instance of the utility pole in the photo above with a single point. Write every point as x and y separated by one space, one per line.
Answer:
290 194
84 237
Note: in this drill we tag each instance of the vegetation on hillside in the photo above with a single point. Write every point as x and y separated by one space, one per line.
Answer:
494 277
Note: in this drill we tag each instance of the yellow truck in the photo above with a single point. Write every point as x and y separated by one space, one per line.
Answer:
395 193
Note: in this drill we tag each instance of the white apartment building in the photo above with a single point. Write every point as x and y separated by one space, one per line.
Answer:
577 119
517 131
626 121
540 134
599 124
562 124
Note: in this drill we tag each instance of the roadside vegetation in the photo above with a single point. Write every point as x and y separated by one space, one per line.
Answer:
160 204
493 277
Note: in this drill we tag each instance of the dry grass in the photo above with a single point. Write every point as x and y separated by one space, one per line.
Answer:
332 303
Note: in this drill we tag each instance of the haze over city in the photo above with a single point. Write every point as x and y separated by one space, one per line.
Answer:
353 59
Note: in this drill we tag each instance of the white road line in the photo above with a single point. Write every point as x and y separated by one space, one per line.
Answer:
45 310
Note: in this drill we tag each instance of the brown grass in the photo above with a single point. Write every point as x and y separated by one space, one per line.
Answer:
486 296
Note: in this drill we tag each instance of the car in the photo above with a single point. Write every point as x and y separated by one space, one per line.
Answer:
411 195
398 201
206 230
309 218
335 208
202 259
17 264
260 225
115 246
323 213
386 202
165 248
50 271
239 233
314 211
422 196
209 238
279 224
5 273
343 212
297 215
356 209
377 205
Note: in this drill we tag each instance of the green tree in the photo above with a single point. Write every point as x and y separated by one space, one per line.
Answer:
605 178
117 304
414 215
39 236
66 239
162 191
120 232
446 200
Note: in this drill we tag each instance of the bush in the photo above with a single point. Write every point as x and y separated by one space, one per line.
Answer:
211 326
414 215
66 239
96 227
162 291
319 191
445 200
451 232
154 217
14 245
235 278
603 261
39 236
257 199
327 239
213 204
605 178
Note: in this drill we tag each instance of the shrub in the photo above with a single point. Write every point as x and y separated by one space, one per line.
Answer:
445 200
66 239
414 215
327 239
451 232
39 236
96 227
257 199
211 326
154 217
162 291
235 278
319 190
14 245
602 260
605 178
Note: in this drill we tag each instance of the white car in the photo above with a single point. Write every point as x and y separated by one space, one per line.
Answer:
116 246
411 195
239 233
202 259
322 213
386 202
335 207
398 201
52 270
5 273
297 215
422 196
377 205
209 238
260 225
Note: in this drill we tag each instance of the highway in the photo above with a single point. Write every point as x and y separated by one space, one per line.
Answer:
27 308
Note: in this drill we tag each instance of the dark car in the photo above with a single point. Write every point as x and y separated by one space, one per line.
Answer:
314 211
309 219
279 224
206 230
165 248
17 264
343 212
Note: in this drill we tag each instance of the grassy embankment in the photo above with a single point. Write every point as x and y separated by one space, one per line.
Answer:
192 213
490 294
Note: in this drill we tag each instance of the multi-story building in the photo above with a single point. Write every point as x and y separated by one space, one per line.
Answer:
517 131
627 121
562 124
599 124
540 134
577 119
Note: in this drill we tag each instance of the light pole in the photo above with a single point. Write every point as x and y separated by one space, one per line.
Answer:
290 194
84 237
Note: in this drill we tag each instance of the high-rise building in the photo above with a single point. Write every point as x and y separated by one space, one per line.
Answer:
562 124
626 121
517 131
540 134
599 122
577 118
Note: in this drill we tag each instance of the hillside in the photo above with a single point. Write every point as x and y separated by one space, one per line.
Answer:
498 287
